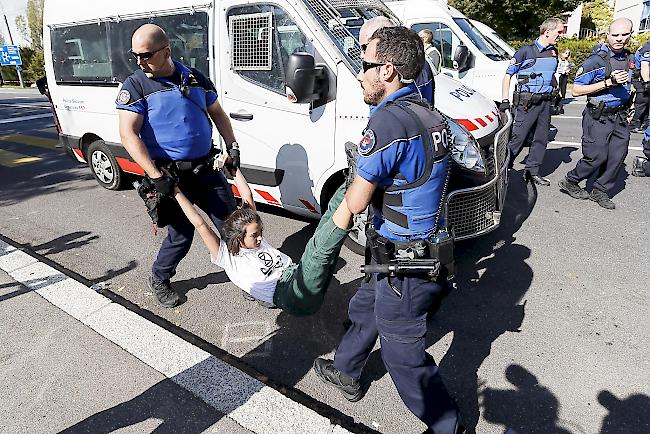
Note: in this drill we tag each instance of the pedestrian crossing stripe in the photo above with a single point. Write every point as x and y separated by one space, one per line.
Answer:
13 159
41 142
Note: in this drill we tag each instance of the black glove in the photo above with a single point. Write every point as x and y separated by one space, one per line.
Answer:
233 153
164 184
160 208
612 80
504 105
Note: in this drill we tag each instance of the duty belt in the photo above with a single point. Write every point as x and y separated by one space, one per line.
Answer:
190 165
527 99
600 109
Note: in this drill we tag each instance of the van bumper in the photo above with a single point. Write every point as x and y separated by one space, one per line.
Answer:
475 211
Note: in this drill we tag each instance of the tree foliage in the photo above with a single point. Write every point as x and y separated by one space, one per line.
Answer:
599 13
30 27
514 19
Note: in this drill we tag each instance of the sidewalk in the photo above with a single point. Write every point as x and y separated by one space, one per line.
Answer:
73 361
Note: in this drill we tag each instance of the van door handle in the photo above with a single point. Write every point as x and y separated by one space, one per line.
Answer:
242 116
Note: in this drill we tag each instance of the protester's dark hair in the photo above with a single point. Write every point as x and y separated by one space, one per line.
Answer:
235 227
401 47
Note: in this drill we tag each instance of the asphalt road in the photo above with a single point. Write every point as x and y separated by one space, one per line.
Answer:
546 332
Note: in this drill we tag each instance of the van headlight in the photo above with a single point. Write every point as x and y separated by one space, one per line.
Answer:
465 149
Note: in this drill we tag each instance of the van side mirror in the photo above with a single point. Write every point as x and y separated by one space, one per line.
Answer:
462 58
306 82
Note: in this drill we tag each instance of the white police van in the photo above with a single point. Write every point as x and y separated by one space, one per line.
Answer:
292 147
467 55
492 34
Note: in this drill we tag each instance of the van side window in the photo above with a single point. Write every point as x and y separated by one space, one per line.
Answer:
444 39
250 50
80 54
188 39
98 53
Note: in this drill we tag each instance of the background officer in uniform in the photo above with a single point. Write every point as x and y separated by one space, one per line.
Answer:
605 78
403 169
641 165
166 112
641 83
534 66
435 59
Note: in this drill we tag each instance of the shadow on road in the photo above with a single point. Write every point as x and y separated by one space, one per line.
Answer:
555 157
630 415
63 243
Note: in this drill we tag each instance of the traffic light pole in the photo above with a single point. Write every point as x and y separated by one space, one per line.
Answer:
11 39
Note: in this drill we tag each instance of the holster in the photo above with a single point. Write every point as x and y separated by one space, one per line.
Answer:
161 208
596 111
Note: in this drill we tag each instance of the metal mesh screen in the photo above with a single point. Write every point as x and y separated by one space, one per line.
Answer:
470 212
328 15
250 41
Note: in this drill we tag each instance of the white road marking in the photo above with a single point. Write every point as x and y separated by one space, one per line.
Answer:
566 117
25 118
578 144
4 104
247 401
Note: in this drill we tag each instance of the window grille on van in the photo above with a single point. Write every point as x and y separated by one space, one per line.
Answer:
250 41
341 20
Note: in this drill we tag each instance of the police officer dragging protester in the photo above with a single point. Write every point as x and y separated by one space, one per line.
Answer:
641 84
605 78
166 112
402 173
534 68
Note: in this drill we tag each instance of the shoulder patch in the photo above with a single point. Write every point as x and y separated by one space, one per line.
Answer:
513 61
367 143
123 97
580 71
646 54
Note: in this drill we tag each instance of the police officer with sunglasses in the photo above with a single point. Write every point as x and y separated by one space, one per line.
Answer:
166 111
402 173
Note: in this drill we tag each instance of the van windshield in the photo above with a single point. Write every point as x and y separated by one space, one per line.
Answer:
485 46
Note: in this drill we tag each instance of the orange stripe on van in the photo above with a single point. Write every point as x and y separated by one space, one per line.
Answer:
467 124
129 166
309 206
268 198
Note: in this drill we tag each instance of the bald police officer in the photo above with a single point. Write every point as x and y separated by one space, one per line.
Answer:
534 66
605 78
166 112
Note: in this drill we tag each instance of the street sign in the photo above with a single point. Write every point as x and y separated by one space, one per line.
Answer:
10 55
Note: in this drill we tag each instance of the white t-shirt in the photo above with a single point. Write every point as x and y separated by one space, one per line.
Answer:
256 271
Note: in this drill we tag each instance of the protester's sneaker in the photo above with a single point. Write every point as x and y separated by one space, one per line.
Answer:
352 154
637 166
163 291
573 189
349 387
601 198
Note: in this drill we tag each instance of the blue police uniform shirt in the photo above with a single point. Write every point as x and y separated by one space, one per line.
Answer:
425 83
534 67
176 127
592 71
642 55
392 146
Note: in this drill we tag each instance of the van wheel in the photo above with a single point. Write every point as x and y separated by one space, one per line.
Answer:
356 240
104 166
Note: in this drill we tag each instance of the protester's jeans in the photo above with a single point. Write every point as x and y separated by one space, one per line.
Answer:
302 287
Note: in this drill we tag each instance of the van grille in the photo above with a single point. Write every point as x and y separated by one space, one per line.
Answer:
470 212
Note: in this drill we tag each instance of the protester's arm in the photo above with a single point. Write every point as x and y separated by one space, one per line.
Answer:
130 125
645 71
244 189
222 122
359 194
210 239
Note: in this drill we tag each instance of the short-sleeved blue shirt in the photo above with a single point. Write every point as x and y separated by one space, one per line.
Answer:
535 67
176 123
593 70
642 55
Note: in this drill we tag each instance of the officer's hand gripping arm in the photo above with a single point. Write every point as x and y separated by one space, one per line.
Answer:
130 125
209 237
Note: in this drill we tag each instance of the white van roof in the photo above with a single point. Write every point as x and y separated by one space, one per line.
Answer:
425 8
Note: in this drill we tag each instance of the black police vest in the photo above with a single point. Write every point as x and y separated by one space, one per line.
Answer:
611 63
399 201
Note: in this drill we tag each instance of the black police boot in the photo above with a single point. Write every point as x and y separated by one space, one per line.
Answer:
573 189
163 291
349 387
528 177
601 198
637 166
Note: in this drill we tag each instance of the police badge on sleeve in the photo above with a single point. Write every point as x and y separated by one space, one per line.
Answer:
367 143
124 96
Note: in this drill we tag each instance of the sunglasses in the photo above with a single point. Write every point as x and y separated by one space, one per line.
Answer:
369 65
363 47
146 56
